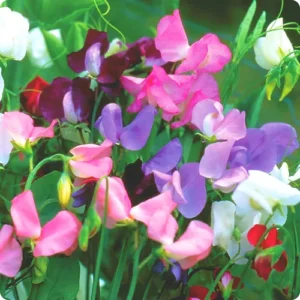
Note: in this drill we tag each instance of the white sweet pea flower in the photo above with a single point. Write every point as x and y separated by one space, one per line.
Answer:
266 194
5 143
283 174
271 49
1 85
14 34
225 222
37 48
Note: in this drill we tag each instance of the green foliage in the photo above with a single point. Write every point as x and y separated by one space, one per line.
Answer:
170 5
75 36
61 281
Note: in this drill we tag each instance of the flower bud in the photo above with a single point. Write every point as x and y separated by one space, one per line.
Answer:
83 239
40 269
94 221
64 188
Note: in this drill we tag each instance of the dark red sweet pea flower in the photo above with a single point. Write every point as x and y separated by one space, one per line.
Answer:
30 97
67 100
91 56
263 263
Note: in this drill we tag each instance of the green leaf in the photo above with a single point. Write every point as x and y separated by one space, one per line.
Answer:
76 36
57 52
245 27
170 5
3 282
187 143
45 195
61 281
258 29
50 11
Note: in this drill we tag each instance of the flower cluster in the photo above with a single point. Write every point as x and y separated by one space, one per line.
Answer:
141 147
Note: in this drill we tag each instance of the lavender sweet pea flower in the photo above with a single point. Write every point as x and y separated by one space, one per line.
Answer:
166 159
67 100
83 195
187 188
133 136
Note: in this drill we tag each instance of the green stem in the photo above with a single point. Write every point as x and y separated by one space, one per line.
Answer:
55 157
146 260
47 202
96 107
257 108
15 291
101 243
30 163
145 297
296 267
162 290
119 272
136 259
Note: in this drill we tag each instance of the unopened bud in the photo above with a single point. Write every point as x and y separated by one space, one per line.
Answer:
94 221
83 239
64 189
237 234
40 269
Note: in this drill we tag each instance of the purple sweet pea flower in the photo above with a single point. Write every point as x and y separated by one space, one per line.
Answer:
187 187
166 159
133 136
83 195
67 100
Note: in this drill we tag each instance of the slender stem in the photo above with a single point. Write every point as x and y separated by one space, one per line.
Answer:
145 261
135 274
55 157
101 243
296 267
30 163
15 291
119 272
47 202
145 297
162 290
257 108
97 104
88 276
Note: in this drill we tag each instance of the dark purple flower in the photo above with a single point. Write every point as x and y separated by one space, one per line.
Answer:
67 100
91 56
133 136
83 195
166 159
187 187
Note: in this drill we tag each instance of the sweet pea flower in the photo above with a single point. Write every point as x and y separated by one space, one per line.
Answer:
11 255
133 136
271 49
263 263
30 97
67 100
208 54
283 174
225 222
208 117
187 188
193 245
59 235
119 204
91 161
14 34
37 48
6 145
263 193
1 84
21 129
165 160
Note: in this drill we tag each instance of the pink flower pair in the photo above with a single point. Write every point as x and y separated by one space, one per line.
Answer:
59 235
175 95
193 245
206 55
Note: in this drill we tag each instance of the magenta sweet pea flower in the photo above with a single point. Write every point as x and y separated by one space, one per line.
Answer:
67 100
91 161
208 54
133 136
119 204
11 255
59 235
21 129
187 188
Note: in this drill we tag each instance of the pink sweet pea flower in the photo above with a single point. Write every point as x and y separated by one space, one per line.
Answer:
6 145
119 204
59 235
91 161
158 89
193 246
208 54
11 255
21 129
